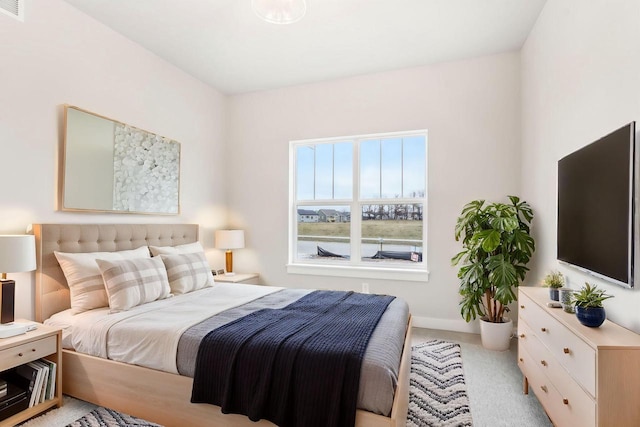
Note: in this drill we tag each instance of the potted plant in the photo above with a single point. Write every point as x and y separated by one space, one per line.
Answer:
497 246
554 281
588 301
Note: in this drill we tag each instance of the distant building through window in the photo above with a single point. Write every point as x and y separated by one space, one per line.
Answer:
359 201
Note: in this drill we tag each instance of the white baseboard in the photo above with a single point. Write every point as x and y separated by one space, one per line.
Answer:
446 324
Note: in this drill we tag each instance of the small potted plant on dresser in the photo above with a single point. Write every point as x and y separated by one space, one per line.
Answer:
497 246
554 281
588 302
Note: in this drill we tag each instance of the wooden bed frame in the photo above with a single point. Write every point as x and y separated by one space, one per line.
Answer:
154 395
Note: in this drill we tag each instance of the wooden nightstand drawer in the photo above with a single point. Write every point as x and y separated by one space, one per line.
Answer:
27 352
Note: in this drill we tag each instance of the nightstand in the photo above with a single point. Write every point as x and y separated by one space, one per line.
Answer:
43 342
249 278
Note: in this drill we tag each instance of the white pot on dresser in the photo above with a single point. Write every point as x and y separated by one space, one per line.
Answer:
582 376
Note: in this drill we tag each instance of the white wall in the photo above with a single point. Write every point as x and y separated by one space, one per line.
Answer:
59 55
580 81
472 112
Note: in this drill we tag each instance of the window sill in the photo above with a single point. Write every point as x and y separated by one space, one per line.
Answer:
388 273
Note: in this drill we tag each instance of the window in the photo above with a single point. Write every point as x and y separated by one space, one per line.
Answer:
358 206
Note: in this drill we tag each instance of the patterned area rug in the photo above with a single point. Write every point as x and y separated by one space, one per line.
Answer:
103 417
437 393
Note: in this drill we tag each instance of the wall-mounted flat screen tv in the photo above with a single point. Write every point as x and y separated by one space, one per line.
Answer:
597 218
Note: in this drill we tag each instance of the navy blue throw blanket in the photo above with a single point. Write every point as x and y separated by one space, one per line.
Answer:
295 366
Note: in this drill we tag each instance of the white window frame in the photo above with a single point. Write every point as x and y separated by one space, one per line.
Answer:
354 267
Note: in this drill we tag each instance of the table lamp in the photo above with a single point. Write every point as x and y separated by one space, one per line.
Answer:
17 254
227 240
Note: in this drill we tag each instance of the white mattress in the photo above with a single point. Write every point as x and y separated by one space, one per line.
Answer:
148 335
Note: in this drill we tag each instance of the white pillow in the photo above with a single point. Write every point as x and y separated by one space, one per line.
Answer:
187 272
132 282
84 278
188 248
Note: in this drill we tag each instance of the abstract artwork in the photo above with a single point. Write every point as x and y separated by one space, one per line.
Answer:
146 170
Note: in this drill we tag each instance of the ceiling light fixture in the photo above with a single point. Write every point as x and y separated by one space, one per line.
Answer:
280 11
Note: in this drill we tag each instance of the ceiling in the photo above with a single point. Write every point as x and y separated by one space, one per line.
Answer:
224 44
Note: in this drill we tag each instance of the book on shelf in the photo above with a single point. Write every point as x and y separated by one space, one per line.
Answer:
45 380
37 386
51 384
28 376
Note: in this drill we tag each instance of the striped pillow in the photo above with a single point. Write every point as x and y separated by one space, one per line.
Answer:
134 282
187 272
84 279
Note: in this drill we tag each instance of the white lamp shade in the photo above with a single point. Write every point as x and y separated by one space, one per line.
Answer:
229 239
17 253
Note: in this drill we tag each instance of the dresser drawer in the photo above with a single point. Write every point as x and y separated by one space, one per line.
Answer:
575 355
573 402
28 352
542 388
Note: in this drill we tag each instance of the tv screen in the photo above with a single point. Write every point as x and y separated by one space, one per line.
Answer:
596 207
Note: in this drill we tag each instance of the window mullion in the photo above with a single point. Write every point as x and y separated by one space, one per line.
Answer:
333 171
356 210
402 167
380 190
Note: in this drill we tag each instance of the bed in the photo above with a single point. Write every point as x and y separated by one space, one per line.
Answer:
149 393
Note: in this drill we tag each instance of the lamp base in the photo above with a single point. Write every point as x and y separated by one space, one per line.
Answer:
12 329
7 301
229 262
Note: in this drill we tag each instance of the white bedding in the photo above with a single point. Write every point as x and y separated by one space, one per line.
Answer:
148 335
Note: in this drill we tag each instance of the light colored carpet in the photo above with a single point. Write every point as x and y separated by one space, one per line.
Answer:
72 409
494 384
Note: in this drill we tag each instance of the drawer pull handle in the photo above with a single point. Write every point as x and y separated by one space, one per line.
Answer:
565 401
543 329
522 306
33 349
543 362
521 359
521 335
20 355
544 388
566 350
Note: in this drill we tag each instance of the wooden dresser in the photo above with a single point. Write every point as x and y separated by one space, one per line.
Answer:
582 376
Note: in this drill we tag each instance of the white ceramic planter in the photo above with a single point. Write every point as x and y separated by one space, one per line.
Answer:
496 336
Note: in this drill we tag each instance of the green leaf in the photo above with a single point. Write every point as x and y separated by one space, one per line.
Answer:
469 219
490 240
456 259
502 273
523 242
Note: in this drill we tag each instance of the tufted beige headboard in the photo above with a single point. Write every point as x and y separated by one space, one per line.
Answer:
52 292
